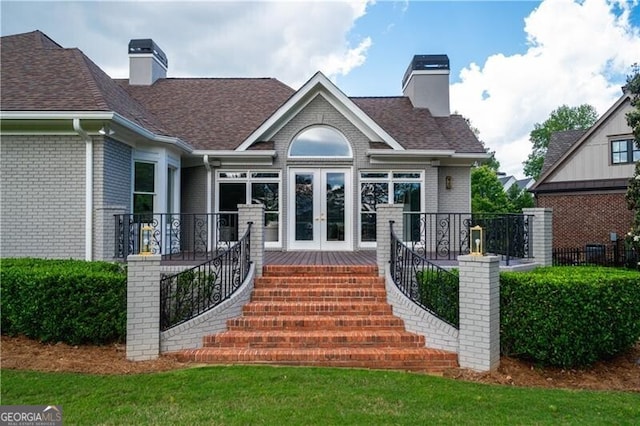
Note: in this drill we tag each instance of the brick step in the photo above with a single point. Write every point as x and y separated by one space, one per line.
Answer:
316 294
316 322
317 308
415 359
319 270
314 339
319 281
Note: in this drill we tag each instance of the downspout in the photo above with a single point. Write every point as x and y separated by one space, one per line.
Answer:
207 166
88 204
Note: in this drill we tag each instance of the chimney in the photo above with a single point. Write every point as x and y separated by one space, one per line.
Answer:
426 83
147 62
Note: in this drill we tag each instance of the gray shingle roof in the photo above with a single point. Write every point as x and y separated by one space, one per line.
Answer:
208 113
559 143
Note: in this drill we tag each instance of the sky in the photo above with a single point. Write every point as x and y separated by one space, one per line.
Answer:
512 62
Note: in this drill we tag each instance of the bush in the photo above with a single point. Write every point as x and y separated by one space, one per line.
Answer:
439 293
63 300
568 317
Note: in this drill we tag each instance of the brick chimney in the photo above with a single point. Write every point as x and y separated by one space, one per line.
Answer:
426 83
147 62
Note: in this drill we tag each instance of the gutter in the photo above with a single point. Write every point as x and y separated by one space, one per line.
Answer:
207 166
88 178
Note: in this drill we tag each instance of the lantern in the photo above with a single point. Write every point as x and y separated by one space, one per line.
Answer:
477 241
145 239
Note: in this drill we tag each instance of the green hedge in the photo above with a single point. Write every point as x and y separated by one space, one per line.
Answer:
567 316
63 300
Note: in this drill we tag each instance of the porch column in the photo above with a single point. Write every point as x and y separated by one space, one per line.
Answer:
384 214
541 235
479 331
253 213
143 307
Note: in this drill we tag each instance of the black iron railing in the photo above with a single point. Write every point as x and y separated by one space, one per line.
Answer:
176 236
445 236
185 295
429 286
612 255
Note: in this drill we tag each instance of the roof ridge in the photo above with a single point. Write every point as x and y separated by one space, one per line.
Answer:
98 96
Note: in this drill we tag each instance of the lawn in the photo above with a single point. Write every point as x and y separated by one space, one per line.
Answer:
281 395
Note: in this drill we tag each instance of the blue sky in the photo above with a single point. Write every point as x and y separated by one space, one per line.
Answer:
512 62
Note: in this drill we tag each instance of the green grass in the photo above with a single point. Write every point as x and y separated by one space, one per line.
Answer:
307 396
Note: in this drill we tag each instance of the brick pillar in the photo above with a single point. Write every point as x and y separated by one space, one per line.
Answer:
386 213
253 213
541 238
104 232
479 332
143 307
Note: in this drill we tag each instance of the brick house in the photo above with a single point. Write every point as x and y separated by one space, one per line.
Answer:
83 153
584 180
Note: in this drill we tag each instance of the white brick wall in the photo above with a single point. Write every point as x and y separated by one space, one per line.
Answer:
541 235
143 307
479 332
42 201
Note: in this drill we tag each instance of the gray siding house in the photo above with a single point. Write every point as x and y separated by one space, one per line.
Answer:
85 157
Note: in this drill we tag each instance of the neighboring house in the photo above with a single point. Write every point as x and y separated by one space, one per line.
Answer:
584 180
79 147
522 184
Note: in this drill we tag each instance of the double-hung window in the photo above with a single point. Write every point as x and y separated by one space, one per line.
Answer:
143 189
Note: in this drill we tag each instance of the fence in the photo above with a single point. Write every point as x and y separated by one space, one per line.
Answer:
176 236
185 295
429 286
445 236
611 255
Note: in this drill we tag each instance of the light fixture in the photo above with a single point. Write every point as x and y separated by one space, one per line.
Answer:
106 131
145 239
477 240
447 182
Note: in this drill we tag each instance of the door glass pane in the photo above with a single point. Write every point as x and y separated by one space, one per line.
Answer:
267 193
335 206
304 207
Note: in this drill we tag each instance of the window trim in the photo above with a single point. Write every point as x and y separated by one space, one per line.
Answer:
631 151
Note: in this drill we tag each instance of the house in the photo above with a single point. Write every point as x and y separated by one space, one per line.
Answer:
584 180
83 156
522 184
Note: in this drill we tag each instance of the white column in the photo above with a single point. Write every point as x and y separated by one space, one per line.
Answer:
253 213
541 235
384 214
479 331
143 307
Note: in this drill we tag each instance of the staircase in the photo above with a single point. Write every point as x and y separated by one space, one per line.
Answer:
310 315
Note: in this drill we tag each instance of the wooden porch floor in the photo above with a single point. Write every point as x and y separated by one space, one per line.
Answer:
366 257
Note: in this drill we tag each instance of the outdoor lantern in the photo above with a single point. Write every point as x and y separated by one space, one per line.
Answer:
145 239
477 241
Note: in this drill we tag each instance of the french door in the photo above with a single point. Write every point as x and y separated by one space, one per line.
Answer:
320 209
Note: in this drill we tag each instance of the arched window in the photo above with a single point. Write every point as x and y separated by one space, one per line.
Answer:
320 141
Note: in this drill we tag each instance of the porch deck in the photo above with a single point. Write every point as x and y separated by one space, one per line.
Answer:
365 257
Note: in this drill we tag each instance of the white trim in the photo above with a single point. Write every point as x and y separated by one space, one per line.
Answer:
319 84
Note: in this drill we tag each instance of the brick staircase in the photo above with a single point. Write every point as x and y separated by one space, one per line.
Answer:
320 316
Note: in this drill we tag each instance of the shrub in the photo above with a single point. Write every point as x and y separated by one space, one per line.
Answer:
439 293
63 300
567 317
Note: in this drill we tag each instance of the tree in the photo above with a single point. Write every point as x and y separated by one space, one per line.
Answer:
563 118
519 198
633 188
492 162
487 194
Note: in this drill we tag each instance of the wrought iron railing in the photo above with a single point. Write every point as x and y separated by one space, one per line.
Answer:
176 236
426 284
185 295
613 255
445 236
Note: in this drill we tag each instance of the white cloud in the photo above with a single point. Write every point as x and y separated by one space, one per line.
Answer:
290 40
579 52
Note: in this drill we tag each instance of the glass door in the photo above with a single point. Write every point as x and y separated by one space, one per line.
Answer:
319 213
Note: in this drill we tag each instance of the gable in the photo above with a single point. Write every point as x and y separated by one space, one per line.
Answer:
590 157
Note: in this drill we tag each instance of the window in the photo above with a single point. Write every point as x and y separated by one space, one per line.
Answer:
376 188
624 151
260 187
143 188
320 141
